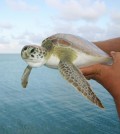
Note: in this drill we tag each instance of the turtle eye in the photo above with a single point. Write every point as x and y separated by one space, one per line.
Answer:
32 50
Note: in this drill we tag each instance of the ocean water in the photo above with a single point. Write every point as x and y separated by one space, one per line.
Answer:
49 105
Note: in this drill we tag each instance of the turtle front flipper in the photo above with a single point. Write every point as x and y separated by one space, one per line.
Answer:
77 79
25 76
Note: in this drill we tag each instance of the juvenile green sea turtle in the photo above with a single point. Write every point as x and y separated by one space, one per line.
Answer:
68 53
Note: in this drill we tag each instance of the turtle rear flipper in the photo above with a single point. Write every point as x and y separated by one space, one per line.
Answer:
25 76
77 79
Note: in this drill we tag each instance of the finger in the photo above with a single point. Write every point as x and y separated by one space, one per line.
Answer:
91 70
87 70
88 77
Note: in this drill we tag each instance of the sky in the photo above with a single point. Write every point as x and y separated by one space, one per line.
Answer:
25 22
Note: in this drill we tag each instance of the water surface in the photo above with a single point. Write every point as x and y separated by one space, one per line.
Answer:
49 105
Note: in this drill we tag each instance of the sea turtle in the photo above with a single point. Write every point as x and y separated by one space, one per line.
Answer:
68 53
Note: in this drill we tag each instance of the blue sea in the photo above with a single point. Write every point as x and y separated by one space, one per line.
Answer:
49 105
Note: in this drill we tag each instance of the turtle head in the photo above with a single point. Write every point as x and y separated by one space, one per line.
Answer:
34 55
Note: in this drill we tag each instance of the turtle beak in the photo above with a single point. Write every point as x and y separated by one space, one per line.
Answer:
24 53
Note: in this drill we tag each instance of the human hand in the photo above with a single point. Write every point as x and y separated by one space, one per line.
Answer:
108 76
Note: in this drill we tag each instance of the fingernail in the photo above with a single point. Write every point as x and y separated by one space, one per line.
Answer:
112 52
